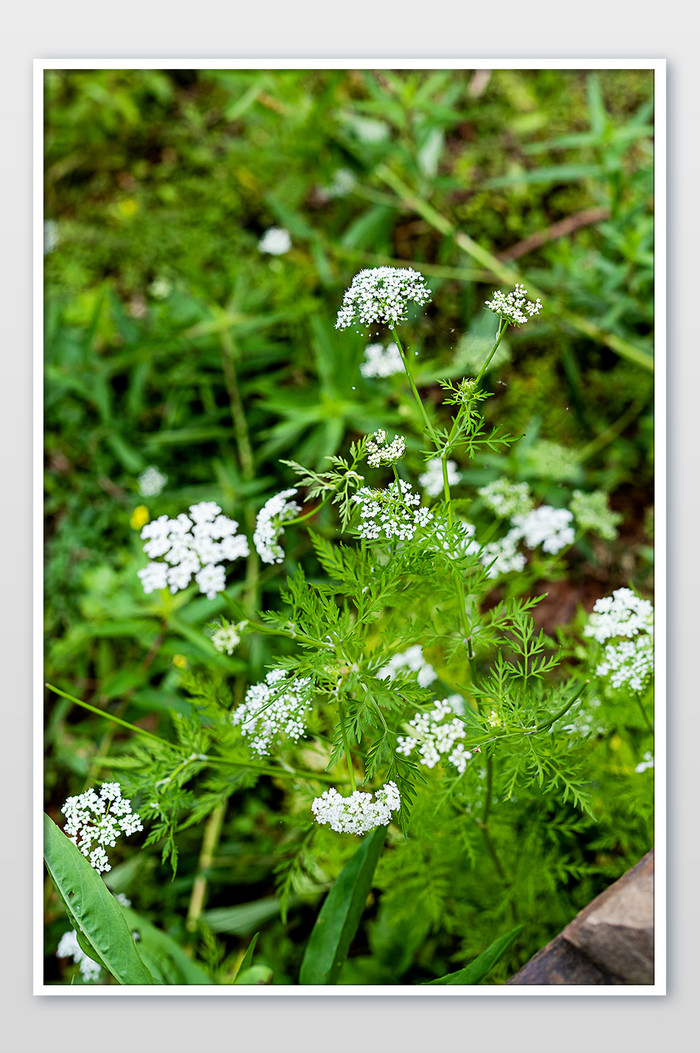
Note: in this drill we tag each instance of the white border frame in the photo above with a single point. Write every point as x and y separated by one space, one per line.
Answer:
658 66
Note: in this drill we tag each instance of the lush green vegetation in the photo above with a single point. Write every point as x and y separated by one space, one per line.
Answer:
173 341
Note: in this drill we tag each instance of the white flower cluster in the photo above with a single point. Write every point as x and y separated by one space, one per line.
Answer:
395 512
69 947
545 526
514 306
380 452
506 499
381 361
646 762
622 614
436 737
272 709
269 528
592 513
275 241
505 553
431 479
413 660
151 482
380 296
99 819
193 544
629 661
358 813
226 638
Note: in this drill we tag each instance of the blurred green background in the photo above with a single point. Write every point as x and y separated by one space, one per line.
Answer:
172 340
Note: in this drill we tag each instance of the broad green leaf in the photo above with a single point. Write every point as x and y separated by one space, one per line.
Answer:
163 955
340 914
242 919
92 908
477 970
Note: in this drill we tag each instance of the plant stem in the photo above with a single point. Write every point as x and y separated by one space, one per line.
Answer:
212 832
503 325
404 358
647 721
346 747
107 716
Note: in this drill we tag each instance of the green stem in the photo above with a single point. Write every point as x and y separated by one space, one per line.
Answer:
503 325
346 747
107 716
647 721
552 720
414 389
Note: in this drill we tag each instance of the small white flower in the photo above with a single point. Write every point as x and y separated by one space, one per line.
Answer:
432 480
413 660
505 553
380 452
381 296
646 762
546 526
226 638
514 306
69 947
273 709
622 614
436 737
269 526
95 821
275 241
151 482
393 512
360 812
190 548
382 361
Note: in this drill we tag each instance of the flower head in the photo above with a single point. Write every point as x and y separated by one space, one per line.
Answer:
275 241
380 296
382 361
395 511
506 499
546 526
380 452
431 479
269 525
413 660
273 709
69 947
194 545
151 482
95 821
514 306
358 813
624 623
435 736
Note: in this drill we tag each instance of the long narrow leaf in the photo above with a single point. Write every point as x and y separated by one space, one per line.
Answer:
96 916
340 914
477 970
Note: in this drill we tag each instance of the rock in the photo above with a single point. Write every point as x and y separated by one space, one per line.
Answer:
611 941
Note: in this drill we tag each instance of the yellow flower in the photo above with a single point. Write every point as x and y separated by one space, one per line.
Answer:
180 661
139 517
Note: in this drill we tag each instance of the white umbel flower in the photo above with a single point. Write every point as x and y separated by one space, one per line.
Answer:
194 545
274 709
431 479
381 296
505 553
514 306
394 512
94 821
380 452
360 812
435 737
628 620
546 526
269 525
275 241
382 361
151 481
413 660
69 947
